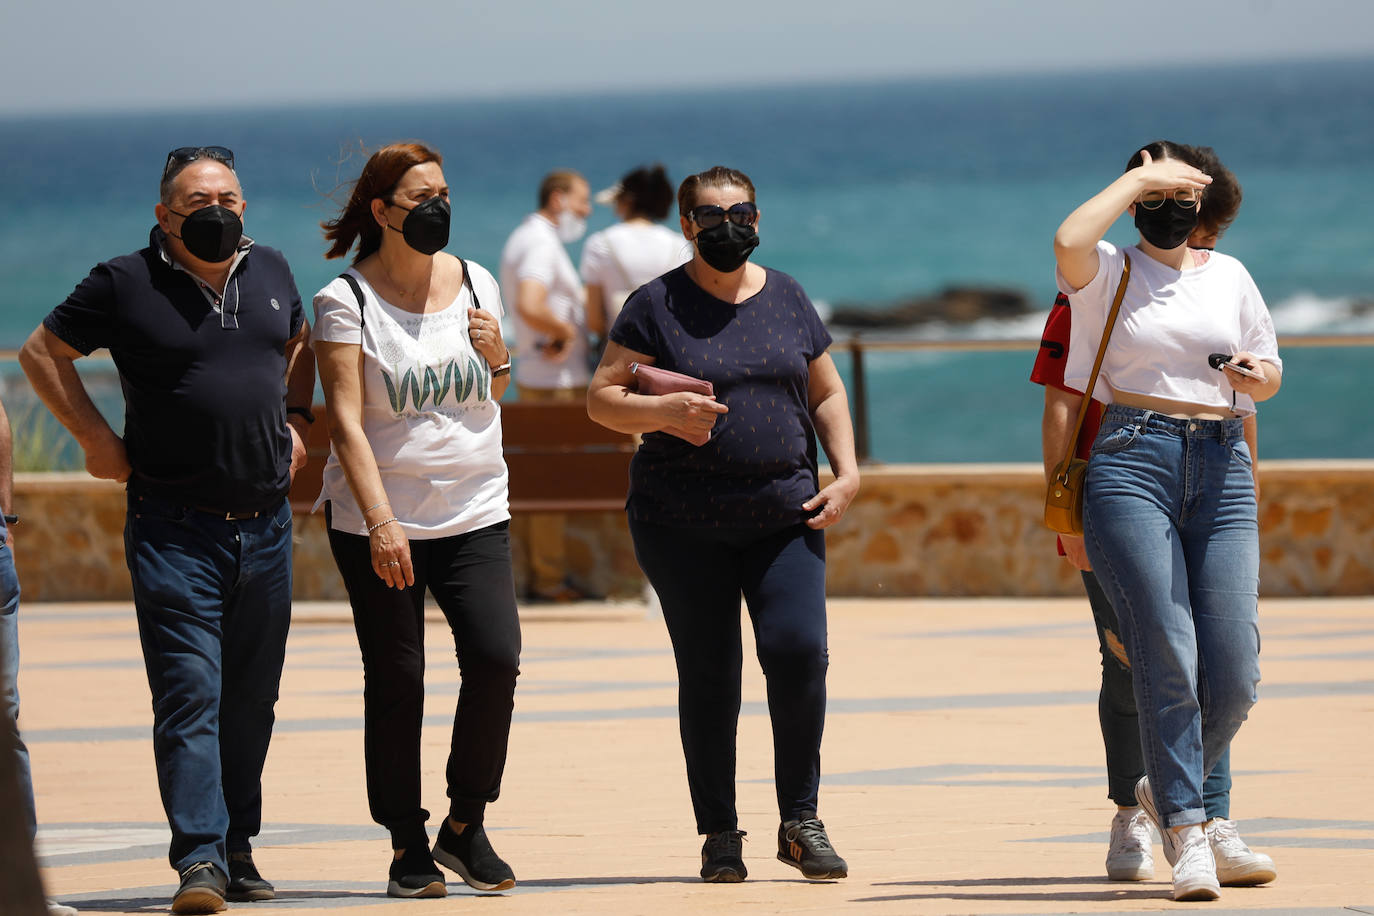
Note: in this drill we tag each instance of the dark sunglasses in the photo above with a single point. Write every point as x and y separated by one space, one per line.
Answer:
184 154
709 216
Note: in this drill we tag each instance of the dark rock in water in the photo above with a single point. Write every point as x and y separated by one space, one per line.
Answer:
955 304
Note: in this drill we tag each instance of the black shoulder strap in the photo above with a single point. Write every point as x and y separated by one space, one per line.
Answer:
357 291
467 281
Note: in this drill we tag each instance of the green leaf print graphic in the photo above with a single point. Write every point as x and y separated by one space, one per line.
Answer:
411 382
447 384
419 384
431 387
397 402
465 388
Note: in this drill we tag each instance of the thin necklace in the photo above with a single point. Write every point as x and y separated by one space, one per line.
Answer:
405 293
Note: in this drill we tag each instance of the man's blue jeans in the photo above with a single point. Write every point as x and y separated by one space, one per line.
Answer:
1170 527
9 681
214 603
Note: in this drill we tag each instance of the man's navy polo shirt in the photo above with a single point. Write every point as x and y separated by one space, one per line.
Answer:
204 405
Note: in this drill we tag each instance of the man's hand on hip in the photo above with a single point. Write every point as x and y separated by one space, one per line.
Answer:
107 459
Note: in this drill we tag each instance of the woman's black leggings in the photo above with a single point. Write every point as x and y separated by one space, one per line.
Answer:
470 577
700 575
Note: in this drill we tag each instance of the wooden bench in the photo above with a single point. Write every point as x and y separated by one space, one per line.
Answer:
559 460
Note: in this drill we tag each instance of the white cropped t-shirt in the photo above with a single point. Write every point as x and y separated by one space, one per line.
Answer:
428 414
1170 322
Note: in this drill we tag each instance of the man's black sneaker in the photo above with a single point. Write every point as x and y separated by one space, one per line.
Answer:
202 889
722 857
414 874
470 855
804 845
245 883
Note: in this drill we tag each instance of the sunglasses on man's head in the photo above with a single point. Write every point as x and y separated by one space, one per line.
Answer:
709 216
184 154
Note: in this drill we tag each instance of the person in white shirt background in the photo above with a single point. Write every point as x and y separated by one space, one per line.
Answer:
620 259
551 363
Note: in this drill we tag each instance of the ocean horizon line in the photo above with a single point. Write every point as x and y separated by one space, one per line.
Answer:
672 91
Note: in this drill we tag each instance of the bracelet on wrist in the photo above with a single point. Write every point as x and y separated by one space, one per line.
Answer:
374 506
503 369
301 412
382 523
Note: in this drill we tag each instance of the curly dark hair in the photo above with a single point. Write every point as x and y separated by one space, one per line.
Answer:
1221 200
646 192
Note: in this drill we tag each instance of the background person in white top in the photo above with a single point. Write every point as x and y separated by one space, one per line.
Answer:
551 337
536 271
620 259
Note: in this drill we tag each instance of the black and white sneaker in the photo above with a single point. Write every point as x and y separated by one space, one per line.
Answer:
722 857
414 874
470 855
805 846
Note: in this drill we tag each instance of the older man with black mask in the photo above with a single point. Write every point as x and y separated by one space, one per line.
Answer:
208 335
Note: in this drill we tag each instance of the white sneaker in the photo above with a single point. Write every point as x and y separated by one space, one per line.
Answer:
1167 838
1195 872
1237 864
60 909
1129 857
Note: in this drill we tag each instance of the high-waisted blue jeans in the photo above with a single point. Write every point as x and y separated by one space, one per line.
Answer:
1120 723
1170 527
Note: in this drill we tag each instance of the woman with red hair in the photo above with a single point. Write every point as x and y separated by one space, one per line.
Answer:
412 362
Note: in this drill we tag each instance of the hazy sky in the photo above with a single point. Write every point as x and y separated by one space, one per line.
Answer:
85 55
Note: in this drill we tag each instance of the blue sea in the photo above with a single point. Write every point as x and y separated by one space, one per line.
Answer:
870 193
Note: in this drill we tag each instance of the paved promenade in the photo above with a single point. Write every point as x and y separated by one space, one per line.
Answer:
962 761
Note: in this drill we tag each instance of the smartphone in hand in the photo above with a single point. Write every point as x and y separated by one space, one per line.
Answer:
1220 361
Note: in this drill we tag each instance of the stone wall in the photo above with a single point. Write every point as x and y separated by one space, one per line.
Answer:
914 530
975 530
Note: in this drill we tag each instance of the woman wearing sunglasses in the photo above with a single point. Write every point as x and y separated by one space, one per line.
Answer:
412 363
1169 514
741 514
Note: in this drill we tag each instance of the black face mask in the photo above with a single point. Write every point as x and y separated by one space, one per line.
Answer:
425 227
1167 226
726 247
211 234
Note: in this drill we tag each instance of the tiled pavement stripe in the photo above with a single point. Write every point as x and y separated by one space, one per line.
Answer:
836 706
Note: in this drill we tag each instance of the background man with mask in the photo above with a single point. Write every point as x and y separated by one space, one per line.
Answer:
551 337
208 335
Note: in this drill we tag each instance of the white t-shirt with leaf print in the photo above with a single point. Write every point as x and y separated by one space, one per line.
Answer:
428 413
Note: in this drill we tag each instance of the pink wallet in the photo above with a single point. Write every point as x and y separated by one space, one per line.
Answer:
653 380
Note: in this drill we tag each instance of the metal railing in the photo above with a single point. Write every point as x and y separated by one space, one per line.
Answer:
858 346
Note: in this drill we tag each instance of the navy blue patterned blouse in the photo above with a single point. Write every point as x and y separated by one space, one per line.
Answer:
760 464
